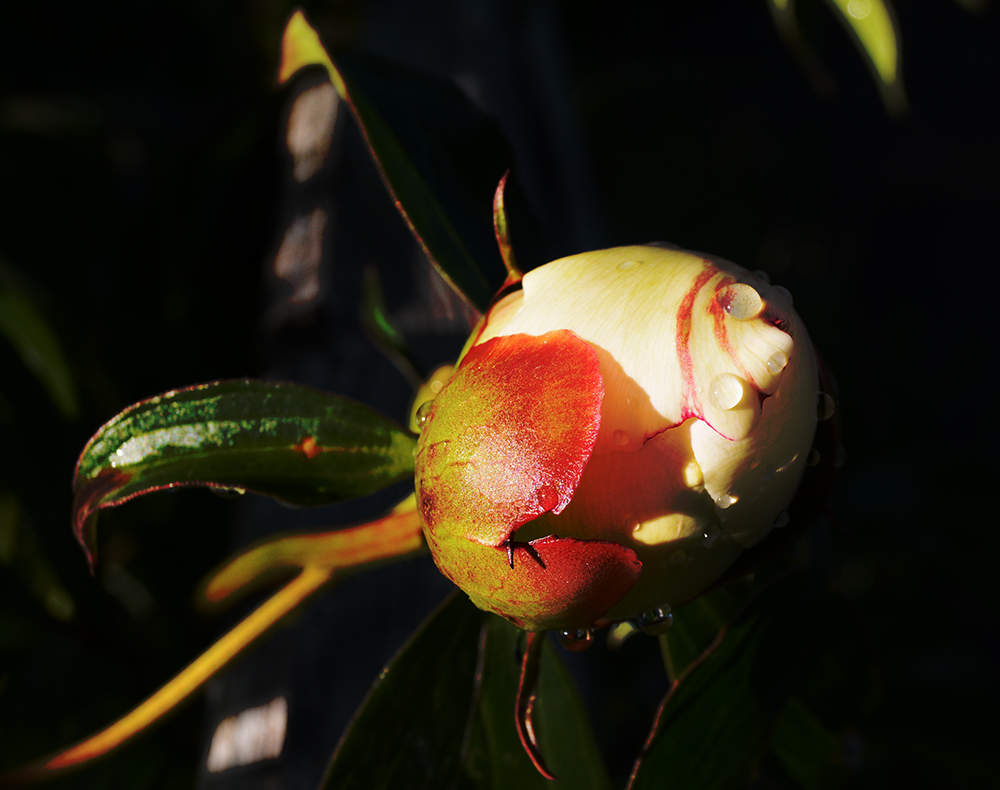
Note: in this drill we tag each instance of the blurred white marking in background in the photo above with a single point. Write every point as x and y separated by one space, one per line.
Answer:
310 129
253 735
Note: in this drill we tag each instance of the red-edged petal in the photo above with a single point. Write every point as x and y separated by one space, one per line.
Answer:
509 435
556 583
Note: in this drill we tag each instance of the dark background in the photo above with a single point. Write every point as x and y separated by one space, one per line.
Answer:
144 190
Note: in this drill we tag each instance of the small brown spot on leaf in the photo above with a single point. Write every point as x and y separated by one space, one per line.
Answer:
308 447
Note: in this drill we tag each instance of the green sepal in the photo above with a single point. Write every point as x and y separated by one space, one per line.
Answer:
290 442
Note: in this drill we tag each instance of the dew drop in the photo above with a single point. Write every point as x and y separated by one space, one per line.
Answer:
763 275
423 413
776 363
709 536
825 406
725 500
726 391
548 497
656 621
813 458
576 639
781 520
769 473
740 301
620 438
784 293
625 265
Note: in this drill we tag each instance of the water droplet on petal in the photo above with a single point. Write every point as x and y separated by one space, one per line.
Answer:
656 621
763 275
726 391
620 438
781 520
813 458
825 406
423 412
740 301
776 363
725 500
784 293
548 497
576 639
770 472
625 265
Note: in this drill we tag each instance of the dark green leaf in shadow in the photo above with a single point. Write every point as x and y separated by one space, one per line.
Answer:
287 441
410 729
716 720
25 328
495 756
440 156
386 338
441 714
817 730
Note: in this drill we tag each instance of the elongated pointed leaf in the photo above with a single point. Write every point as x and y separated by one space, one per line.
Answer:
442 715
716 719
287 441
440 157
789 673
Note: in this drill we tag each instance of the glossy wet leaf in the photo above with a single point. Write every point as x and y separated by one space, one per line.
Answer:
287 441
439 155
442 715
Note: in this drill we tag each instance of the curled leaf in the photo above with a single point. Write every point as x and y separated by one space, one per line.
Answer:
296 444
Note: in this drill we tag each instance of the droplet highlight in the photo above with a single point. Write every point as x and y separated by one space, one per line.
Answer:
576 639
740 301
825 406
726 391
656 621
548 497
626 265
813 458
777 362
724 501
423 414
709 536
621 438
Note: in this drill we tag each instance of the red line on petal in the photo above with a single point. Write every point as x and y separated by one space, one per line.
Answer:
722 332
691 405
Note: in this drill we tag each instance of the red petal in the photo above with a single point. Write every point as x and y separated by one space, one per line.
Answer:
508 437
556 583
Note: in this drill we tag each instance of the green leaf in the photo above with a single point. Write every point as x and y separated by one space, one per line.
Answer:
442 714
440 157
716 720
287 441
26 329
789 672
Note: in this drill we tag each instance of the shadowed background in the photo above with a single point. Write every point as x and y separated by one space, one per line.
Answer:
148 191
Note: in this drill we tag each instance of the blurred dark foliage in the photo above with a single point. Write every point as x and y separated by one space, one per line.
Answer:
145 190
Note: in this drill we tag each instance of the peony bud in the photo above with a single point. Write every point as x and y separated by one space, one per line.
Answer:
617 433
